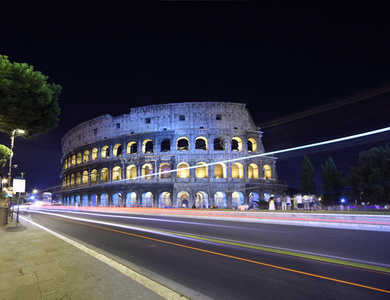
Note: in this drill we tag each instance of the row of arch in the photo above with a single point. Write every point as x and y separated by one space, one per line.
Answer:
147 146
147 171
165 200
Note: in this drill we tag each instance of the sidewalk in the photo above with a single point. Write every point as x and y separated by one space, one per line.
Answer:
34 264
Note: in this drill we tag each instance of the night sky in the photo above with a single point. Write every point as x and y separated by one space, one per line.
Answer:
307 72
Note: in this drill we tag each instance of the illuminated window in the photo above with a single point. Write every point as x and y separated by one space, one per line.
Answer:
253 171
164 170
116 173
237 171
85 177
147 170
86 156
252 145
105 152
94 175
78 158
131 172
147 146
78 178
183 144
104 175
267 172
183 172
132 148
236 144
201 143
117 151
220 171
95 153
201 170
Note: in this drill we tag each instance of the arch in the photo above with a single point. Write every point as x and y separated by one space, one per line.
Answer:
117 199
183 144
93 200
131 199
147 199
131 172
165 145
237 170
72 179
147 170
164 170
73 160
77 199
267 172
71 200
94 176
86 156
183 199
236 144
237 199
182 170
85 177
219 144
252 145
220 200
79 158
65 164
95 153
165 200
202 200
254 199
201 170
132 148
220 170
253 171
116 173
117 151
84 201
104 175
105 152
104 200
147 146
78 178
201 143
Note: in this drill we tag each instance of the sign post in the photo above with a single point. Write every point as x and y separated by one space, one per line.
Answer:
19 185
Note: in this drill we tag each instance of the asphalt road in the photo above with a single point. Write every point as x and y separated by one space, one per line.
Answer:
237 260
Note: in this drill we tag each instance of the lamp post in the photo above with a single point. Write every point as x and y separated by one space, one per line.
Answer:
14 133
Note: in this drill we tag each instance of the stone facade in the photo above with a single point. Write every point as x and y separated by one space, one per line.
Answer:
207 154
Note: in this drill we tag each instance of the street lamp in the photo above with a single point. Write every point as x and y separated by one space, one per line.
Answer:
14 133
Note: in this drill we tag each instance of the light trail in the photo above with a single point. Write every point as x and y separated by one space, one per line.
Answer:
231 256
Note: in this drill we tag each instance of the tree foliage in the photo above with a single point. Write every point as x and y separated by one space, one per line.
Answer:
370 178
4 155
27 101
331 182
308 184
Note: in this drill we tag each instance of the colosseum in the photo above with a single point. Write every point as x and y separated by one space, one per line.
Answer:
192 154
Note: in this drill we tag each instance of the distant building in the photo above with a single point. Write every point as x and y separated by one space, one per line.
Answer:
168 155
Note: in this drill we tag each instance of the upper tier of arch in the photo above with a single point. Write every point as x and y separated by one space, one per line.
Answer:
159 118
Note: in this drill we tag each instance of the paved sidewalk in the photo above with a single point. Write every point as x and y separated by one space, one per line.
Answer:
34 264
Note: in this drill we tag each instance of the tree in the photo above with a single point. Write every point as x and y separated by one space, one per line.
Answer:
27 101
308 184
4 155
331 182
370 178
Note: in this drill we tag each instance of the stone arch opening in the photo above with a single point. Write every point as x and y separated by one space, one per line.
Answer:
220 200
132 148
182 170
147 146
237 199
219 144
147 199
183 199
201 170
131 172
165 200
117 151
201 143
104 176
95 153
202 200
104 200
164 170
105 152
183 144
85 177
267 172
252 145
220 170
237 170
116 173
236 144
166 145
253 171
79 157
86 156
147 171
94 176
131 199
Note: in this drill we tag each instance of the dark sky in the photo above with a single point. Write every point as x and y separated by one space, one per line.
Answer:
308 72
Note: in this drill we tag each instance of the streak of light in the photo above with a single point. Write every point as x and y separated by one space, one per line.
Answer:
242 259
